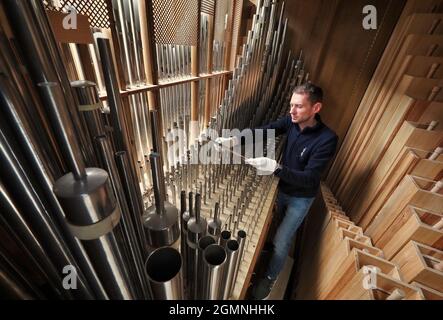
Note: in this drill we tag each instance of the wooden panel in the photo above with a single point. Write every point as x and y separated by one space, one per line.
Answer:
418 227
386 285
419 263
411 191
428 293
82 34
339 51
351 266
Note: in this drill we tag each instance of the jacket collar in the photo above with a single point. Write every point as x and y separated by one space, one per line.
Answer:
316 127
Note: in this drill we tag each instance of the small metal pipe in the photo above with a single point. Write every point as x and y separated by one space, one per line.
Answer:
214 224
214 261
241 239
225 236
232 252
203 243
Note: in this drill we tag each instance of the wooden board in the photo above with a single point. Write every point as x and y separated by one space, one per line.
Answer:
418 227
350 267
355 290
414 263
258 239
411 191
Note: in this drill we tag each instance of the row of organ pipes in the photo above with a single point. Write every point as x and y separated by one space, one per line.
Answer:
101 187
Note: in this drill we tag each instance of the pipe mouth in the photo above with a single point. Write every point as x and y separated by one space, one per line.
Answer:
205 241
241 234
163 264
232 245
215 254
225 235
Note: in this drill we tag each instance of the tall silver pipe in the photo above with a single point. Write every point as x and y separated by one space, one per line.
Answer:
11 104
135 207
163 268
44 75
184 218
13 283
214 260
135 254
27 240
17 182
214 223
196 230
93 213
241 239
232 252
203 243
161 221
89 106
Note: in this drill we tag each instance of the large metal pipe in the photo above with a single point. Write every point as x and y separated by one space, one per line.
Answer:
163 268
17 182
232 252
44 75
135 254
161 221
11 104
13 283
92 214
214 260
135 206
89 106
199 280
14 222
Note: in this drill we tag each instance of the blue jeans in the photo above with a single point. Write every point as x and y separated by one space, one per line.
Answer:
294 210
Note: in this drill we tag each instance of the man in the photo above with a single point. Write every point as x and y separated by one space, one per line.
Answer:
309 146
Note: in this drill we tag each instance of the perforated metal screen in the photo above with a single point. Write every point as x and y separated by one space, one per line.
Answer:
176 21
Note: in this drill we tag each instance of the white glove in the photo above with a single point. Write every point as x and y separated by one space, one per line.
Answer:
228 143
264 166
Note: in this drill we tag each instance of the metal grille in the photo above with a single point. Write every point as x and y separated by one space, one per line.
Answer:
96 10
221 10
236 30
176 21
208 7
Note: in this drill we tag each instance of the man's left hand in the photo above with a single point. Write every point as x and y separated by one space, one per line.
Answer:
264 166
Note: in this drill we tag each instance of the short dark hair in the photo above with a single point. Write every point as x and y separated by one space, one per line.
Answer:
315 93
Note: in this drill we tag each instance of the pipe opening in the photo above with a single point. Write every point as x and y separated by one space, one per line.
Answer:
215 254
241 234
225 235
232 245
163 264
205 241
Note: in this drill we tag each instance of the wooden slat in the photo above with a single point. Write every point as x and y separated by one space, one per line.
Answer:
414 265
411 191
418 227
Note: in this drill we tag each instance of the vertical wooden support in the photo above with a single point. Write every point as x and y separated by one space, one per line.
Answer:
149 53
194 128
209 81
86 61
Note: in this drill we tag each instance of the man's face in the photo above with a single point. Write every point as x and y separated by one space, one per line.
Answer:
301 109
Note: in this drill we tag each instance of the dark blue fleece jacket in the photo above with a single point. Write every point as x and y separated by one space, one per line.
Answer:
305 155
